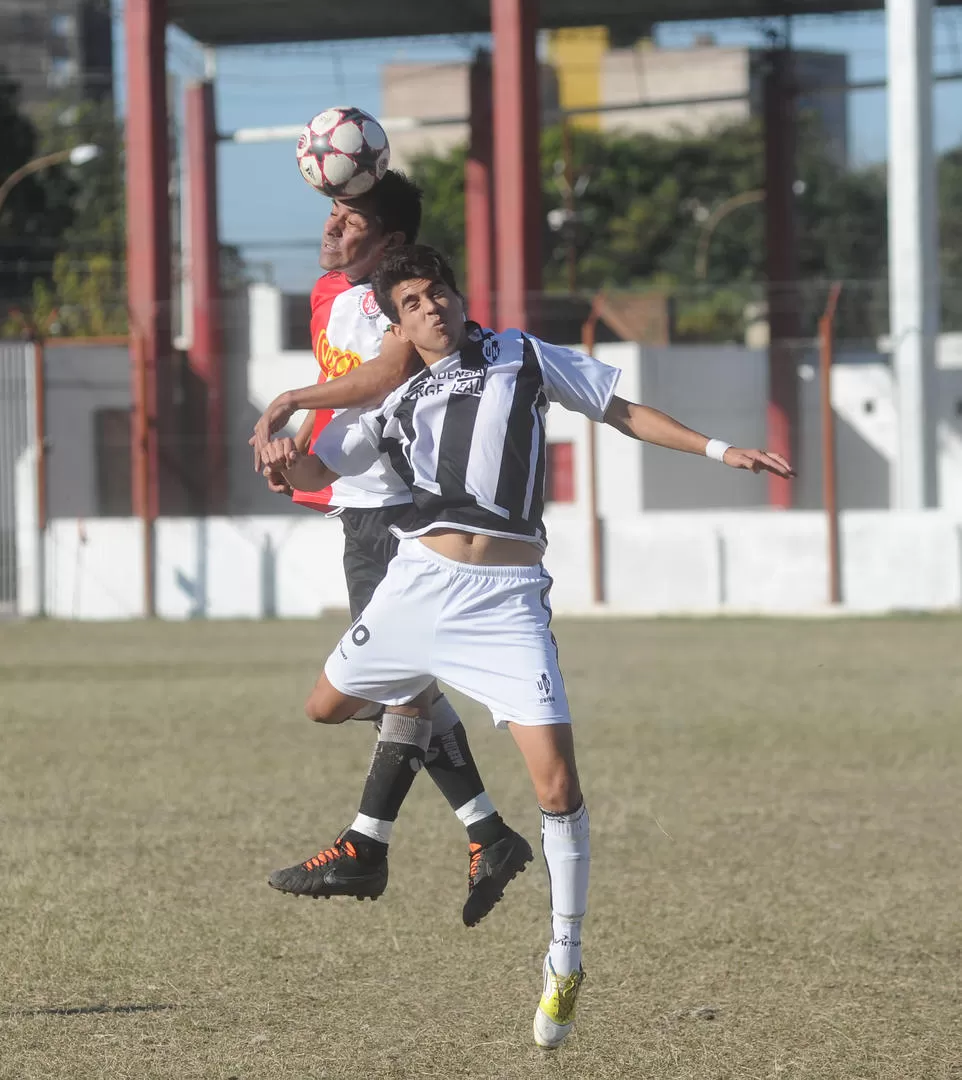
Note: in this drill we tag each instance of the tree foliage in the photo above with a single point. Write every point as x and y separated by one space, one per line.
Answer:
641 202
74 280
32 218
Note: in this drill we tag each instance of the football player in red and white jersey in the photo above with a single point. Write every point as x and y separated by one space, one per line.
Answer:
359 366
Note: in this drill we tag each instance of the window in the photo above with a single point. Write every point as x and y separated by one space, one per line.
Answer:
113 449
559 483
62 71
63 25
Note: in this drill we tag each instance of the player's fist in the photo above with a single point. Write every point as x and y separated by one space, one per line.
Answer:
277 483
275 417
279 454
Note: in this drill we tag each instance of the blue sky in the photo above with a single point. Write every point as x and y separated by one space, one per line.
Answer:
263 200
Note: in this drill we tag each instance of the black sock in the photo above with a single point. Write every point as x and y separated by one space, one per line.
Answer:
451 766
398 756
368 850
488 830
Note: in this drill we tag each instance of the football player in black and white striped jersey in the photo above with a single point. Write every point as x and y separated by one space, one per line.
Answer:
466 599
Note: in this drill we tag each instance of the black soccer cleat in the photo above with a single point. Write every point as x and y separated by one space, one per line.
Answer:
336 871
489 872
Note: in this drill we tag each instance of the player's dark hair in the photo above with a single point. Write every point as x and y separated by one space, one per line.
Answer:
414 262
396 203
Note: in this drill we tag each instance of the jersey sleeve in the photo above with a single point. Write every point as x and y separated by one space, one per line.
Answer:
576 380
349 444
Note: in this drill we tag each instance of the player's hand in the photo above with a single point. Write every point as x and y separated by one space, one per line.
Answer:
274 418
758 461
277 482
278 455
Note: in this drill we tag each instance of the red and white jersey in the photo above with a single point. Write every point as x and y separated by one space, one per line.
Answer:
346 329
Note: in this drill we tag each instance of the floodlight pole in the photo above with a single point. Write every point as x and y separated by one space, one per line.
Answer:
913 250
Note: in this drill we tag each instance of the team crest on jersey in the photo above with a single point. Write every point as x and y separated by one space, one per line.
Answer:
490 349
368 305
333 361
482 349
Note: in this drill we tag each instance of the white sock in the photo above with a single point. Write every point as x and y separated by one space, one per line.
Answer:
567 851
475 810
373 827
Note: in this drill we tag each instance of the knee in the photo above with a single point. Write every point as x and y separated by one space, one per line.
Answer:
559 792
320 708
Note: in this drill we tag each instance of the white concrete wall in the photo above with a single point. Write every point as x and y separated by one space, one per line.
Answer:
249 568
81 379
762 562
94 569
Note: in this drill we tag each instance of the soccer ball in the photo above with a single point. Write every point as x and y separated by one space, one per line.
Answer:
343 151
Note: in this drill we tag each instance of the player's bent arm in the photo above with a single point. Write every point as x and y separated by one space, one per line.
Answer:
367 385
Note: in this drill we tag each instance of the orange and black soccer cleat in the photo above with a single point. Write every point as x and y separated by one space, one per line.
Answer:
490 870
335 871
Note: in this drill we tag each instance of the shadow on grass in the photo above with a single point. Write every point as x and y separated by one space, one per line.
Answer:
91 1010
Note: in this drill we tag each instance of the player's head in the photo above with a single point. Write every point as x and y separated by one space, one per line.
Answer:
360 230
416 288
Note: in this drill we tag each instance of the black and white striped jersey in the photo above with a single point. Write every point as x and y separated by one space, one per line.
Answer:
466 436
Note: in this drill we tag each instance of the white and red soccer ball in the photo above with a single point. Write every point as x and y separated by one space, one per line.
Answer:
343 151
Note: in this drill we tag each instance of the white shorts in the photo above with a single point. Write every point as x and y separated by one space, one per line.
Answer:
481 629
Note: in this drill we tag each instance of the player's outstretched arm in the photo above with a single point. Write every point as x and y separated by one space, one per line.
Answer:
652 426
303 472
364 387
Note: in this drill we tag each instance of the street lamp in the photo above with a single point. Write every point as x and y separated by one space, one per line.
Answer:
709 222
77 155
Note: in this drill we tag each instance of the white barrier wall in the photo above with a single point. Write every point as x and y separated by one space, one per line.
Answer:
654 564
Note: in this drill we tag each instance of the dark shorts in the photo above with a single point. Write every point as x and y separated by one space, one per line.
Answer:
369 546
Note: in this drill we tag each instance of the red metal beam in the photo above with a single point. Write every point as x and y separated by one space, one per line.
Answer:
478 197
148 253
205 355
517 184
782 265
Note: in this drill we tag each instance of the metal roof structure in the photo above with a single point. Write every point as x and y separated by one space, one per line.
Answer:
254 22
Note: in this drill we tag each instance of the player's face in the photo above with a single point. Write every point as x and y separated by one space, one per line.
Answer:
430 315
353 241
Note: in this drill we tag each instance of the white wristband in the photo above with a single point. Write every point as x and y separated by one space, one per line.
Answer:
716 449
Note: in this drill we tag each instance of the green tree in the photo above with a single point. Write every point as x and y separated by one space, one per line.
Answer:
31 218
442 224
950 237
641 202
89 274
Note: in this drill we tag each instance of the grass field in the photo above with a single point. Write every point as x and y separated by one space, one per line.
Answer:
776 815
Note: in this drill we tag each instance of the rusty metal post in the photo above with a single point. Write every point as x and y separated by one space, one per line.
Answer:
781 263
517 172
826 338
596 539
479 197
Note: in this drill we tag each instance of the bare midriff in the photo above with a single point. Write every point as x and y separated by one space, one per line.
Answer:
479 550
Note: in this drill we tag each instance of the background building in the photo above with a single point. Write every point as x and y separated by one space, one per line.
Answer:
584 72
57 49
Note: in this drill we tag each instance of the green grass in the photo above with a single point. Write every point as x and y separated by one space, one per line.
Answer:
776 813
